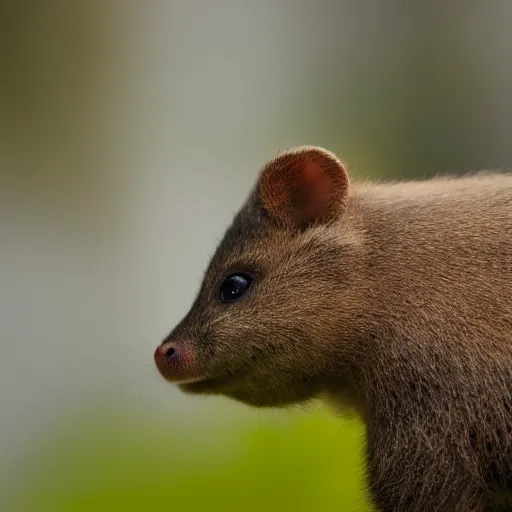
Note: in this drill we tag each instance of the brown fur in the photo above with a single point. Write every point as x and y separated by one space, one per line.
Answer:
396 298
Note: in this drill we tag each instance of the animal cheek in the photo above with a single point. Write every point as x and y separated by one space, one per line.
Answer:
256 352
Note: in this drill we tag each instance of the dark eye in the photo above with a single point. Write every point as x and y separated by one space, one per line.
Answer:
234 287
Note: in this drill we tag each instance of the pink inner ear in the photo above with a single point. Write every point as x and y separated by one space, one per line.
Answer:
304 186
314 194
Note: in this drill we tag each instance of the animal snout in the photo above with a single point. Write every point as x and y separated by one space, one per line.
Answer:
171 354
167 354
176 361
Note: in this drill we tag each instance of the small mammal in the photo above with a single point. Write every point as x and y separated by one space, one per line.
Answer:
394 299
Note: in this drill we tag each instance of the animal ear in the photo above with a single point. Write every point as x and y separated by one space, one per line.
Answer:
304 185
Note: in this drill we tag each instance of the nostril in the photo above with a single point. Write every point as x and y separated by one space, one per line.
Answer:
171 354
166 354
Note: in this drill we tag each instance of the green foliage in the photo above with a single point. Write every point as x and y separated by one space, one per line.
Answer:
313 463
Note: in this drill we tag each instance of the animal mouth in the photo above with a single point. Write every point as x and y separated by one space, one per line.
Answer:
206 384
192 380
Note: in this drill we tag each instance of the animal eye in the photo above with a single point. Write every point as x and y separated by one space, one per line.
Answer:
234 287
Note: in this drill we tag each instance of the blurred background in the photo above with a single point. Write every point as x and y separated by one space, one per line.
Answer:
130 133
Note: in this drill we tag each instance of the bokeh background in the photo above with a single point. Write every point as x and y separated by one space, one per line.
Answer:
130 133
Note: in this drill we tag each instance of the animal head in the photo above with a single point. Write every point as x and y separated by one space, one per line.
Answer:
262 326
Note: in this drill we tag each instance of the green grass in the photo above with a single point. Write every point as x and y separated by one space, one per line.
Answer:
118 463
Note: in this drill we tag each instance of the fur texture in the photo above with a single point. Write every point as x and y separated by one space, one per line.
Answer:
396 297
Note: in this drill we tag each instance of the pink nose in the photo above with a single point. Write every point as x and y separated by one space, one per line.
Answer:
176 361
167 360
167 353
